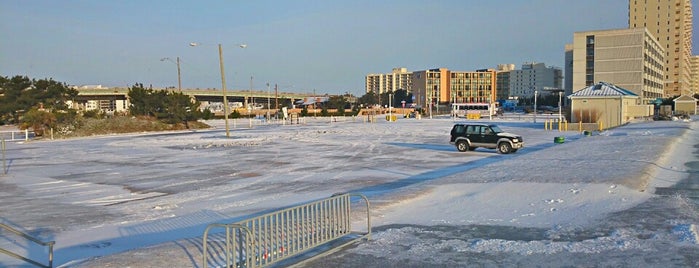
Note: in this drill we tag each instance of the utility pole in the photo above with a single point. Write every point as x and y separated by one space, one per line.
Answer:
223 90
179 79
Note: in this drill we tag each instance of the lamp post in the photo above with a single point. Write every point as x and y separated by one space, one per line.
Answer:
268 103
390 105
560 106
252 101
453 107
223 84
536 93
179 79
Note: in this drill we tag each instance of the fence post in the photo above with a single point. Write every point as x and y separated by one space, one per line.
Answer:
4 163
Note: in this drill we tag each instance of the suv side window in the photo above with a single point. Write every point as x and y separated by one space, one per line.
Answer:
472 130
459 129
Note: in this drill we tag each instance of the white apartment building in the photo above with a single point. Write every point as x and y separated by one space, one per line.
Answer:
399 78
630 58
534 77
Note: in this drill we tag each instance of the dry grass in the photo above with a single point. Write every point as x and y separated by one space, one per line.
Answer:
122 124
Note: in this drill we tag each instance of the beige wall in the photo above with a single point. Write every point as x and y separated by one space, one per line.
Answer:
609 111
685 107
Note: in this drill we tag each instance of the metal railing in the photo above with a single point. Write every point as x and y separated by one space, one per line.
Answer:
15 135
3 148
32 239
273 237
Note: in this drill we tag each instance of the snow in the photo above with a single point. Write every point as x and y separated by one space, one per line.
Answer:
143 200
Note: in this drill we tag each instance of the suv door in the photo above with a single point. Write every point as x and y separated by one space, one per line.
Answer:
489 136
473 134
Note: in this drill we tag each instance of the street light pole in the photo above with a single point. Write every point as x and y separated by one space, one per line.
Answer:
390 105
223 83
268 103
223 90
560 105
252 100
535 97
179 74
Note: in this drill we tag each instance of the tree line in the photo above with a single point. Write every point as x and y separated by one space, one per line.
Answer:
42 104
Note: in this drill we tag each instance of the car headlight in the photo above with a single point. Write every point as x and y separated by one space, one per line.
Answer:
515 140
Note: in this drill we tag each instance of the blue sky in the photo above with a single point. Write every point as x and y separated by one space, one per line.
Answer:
303 46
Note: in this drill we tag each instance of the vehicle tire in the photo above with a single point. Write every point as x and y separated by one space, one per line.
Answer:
504 148
472 148
462 145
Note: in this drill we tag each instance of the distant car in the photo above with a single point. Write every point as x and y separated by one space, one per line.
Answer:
469 136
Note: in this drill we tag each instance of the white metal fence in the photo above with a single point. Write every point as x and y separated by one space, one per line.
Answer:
273 237
16 135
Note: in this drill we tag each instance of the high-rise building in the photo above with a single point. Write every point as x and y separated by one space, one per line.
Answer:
670 22
695 75
534 77
399 78
629 58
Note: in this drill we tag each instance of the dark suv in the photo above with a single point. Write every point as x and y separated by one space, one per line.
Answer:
469 136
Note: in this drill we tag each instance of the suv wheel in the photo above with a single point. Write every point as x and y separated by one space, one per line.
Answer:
462 146
504 148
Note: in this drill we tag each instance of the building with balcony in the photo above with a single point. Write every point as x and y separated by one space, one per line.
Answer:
670 23
442 87
399 78
695 75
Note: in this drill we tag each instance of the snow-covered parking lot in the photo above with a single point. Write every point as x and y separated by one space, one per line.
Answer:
143 200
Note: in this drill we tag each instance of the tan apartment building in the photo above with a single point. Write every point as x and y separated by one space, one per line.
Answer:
473 87
430 87
399 78
442 86
670 22
629 58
